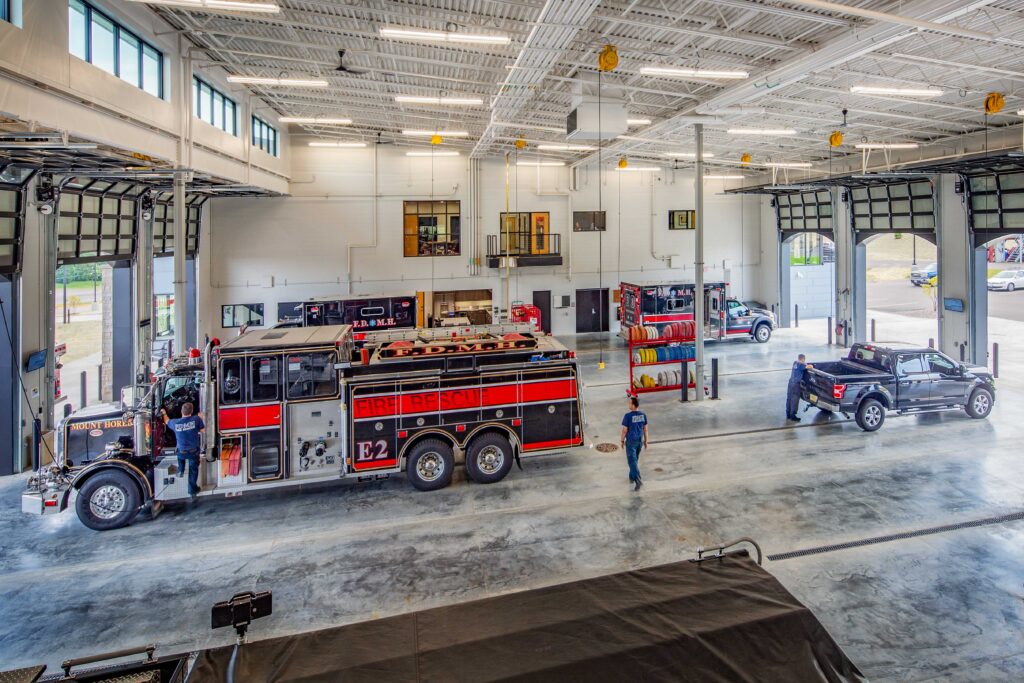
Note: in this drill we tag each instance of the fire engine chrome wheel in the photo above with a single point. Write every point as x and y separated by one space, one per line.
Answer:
870 415
489 458
430 465
108 500
980 404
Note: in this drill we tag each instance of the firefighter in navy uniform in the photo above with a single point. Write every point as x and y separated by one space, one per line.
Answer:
187 430
800 367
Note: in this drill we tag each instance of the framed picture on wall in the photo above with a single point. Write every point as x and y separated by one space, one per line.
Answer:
588 221
682 219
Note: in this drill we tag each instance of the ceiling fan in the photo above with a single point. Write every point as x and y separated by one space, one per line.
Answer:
344 69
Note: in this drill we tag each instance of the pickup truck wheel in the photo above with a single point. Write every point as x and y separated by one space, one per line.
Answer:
489 458
108 500
979 405
870 415
762 333
430 465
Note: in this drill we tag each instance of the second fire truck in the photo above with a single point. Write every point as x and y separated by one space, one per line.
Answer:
287 407
663 303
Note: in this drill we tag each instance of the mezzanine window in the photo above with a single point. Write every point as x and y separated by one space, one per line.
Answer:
214 107
264 136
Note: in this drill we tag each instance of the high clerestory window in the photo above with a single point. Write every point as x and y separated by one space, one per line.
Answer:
96 38
5 10
214 107
264 136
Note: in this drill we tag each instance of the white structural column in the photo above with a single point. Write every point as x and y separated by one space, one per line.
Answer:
851 271
143 297
698 268
49 313
180 248
962 271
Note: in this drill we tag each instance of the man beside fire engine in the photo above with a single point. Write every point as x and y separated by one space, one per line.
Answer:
634 437
187 429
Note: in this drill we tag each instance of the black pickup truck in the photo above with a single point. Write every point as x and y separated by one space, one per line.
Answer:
877 378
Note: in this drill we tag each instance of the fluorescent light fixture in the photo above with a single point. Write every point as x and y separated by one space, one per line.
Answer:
885 90
638 122
432 154
315 119
296 82
540 163
787 164
761 131
694 73
431 133
337 143
48 145
638 169
462 101
565 148
723 177
685 155
887 145
217 5
444 36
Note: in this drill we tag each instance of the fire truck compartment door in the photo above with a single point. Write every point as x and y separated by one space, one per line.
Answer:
314 437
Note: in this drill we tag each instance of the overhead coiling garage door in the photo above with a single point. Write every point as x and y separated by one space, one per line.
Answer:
163 223
12 220
98 221
904 206
996 206
801 212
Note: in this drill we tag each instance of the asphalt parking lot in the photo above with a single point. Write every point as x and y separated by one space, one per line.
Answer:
903 298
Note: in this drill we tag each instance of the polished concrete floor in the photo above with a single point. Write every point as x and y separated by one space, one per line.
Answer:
945 606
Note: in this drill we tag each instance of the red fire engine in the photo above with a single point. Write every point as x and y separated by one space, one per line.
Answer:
289 406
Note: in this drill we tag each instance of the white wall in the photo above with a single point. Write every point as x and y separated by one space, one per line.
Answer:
812 288
291 248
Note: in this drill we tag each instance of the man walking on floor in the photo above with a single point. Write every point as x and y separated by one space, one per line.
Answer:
186 439
634 437
800 368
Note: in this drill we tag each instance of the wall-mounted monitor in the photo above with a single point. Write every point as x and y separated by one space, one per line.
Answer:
685 219
588 221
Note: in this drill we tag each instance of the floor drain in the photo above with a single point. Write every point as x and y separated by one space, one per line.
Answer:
606 447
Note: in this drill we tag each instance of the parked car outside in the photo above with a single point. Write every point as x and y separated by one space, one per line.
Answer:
920 275
1006 281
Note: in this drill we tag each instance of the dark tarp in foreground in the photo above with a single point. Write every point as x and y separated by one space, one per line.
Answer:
724 619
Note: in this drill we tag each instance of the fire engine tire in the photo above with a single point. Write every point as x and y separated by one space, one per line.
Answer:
430 464
108 500
762 333
870 415
489 458
979 405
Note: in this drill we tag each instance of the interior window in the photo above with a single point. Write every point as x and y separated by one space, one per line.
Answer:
940 364
264 378
231 381
909 365
311 375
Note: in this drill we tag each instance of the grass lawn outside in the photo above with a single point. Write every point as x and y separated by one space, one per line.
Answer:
84 338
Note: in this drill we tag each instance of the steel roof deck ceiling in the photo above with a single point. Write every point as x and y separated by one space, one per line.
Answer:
807 61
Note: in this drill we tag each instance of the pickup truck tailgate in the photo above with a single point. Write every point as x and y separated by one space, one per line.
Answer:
819 385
